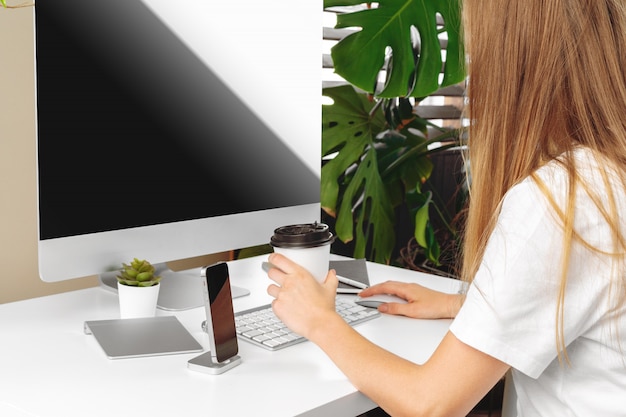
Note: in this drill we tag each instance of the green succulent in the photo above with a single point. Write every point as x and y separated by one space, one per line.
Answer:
139 273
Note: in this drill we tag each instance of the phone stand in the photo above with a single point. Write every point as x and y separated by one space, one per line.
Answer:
204 363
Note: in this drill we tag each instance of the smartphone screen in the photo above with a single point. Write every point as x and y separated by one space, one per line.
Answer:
219 311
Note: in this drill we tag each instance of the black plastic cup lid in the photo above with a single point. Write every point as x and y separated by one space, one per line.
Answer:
302 236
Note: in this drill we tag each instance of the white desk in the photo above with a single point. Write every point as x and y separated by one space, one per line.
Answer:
49 367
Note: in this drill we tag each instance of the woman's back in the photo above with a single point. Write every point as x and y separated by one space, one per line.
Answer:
511 309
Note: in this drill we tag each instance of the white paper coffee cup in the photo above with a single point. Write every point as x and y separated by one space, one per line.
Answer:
307 245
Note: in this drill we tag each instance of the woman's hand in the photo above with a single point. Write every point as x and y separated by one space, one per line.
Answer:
423 303
301 302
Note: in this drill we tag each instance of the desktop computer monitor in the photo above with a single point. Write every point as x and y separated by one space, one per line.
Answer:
173 129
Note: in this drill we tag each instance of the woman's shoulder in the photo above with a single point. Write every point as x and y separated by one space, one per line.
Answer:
586 163
593 174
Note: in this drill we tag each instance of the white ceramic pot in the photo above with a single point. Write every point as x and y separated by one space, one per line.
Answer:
137 302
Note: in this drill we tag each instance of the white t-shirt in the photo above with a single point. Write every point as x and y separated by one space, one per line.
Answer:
510 309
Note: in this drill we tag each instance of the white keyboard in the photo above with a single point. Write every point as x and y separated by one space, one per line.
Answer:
261 327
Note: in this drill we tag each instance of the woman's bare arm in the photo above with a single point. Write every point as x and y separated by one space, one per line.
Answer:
450 383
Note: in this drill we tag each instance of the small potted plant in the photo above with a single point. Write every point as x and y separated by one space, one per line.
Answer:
138 289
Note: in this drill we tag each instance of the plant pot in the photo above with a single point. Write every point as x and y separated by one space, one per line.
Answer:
137 302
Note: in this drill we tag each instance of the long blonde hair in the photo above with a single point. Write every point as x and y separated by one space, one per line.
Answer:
545 77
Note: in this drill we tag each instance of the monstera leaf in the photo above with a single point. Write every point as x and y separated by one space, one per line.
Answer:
424 233
415 62
349 130
373 162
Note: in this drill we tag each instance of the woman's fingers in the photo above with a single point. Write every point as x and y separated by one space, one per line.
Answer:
388 287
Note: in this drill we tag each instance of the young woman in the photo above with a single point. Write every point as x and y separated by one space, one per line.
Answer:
545 239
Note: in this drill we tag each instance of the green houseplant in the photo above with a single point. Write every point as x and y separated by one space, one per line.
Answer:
377 150
139 273
138 289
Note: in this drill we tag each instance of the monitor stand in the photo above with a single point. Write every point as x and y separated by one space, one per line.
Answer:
180 290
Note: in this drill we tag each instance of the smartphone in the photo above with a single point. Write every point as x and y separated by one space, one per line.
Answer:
220 315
